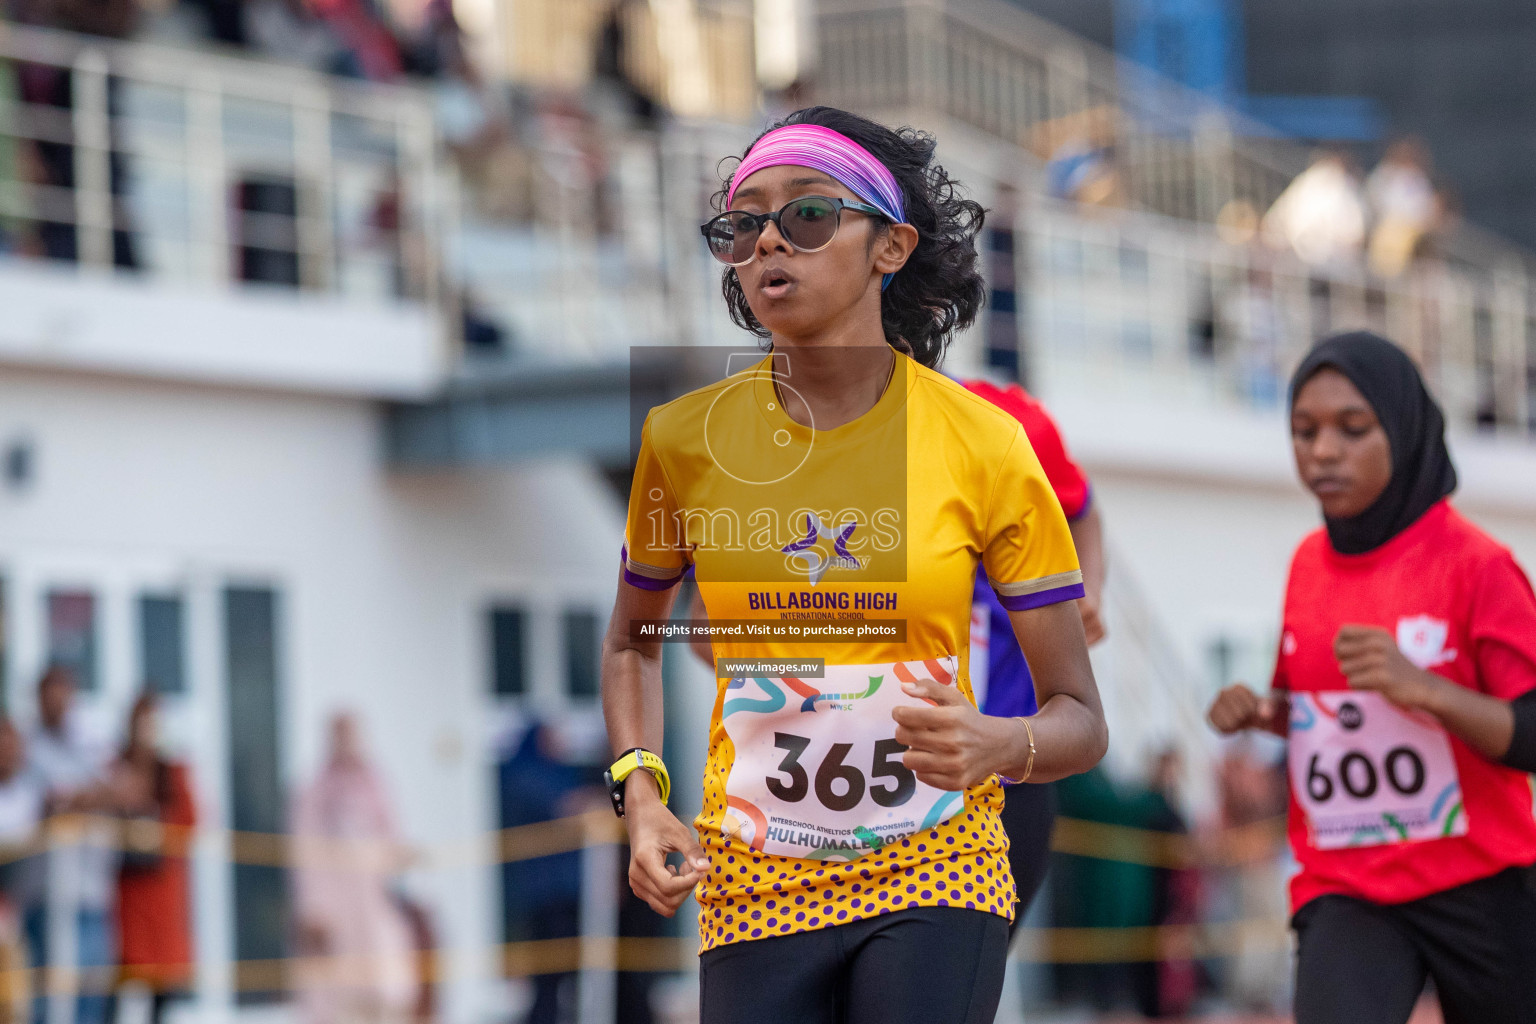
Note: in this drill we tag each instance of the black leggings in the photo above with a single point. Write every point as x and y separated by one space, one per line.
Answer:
1029 811
924 965
1366 963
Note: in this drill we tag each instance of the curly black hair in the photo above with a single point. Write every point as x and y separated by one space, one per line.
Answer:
939 290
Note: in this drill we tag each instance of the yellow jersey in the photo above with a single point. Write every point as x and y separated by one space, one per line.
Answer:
866 539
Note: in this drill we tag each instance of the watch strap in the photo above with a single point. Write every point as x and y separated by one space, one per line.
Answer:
629 762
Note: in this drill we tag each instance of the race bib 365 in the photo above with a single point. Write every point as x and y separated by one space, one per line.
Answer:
818 773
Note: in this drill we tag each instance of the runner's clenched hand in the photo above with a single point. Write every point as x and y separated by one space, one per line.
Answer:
655 832
1370 659
1237 708
951 744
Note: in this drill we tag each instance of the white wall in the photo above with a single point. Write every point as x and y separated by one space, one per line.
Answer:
67 317
384 581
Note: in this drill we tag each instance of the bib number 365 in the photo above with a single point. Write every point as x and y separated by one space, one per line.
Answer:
840 786
817 772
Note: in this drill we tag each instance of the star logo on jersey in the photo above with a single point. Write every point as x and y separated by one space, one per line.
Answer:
814 563
1422 638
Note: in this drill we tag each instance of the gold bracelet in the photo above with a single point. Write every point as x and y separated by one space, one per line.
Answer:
1029 766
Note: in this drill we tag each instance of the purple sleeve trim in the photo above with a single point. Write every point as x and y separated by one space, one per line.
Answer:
646 583
1041 598
634 579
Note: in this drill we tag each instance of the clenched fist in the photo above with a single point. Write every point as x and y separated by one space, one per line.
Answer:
952 745
1237 708
1370 660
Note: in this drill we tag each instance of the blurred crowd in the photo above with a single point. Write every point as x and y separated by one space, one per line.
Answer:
95 841
1330 216
417 40
352 38
107 885
1189 908
95 875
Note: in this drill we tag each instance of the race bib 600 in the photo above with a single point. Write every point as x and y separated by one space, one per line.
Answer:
1368 773
818 772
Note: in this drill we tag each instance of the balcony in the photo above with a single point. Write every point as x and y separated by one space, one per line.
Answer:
190 215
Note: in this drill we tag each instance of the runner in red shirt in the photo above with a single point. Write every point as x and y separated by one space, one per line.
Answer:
1408 634
999 672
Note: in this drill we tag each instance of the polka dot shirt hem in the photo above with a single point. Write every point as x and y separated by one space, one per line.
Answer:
962 862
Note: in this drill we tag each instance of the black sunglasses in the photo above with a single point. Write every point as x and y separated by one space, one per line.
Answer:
809 224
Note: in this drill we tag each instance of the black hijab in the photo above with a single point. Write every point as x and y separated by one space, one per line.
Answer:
1422 473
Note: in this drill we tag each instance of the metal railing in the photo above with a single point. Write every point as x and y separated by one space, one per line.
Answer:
574 290
198 167
995 67
1140 299
1118 295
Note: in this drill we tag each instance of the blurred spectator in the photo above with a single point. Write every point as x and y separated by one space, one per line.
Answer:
544 893
115 19
289 31
11 167
1321 215
21 812
368 48
346 856
1094 892
1404 206
1249 329
611 69
467 111
154 909
424 942
81 866
223 21
484 337
1168 987
1157 885
1251 790
21 801
1080 160
53 162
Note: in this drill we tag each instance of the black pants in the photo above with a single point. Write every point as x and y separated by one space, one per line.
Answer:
925 965
1366 963
1029 811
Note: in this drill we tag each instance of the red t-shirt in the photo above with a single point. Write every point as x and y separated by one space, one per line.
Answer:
1440 572
1067 479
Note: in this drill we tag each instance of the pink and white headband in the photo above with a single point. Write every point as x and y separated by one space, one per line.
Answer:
833 153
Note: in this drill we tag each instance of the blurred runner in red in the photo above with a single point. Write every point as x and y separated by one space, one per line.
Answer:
1408 634
999 673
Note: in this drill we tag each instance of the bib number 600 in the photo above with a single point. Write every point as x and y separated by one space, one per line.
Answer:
840 785
1358 776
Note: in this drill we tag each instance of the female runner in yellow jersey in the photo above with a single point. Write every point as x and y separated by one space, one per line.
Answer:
849 861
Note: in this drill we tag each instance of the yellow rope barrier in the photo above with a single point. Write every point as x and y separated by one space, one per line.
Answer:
666 955
1124 843
1072 836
